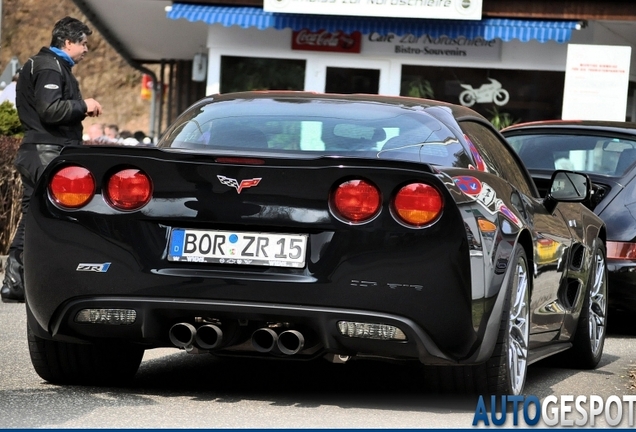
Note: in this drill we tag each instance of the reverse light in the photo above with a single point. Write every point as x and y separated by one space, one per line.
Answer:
356 201
72 187
129 189
418 204
106 316
370 331
621 250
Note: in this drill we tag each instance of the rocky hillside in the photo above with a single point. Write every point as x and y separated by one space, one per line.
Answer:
103 74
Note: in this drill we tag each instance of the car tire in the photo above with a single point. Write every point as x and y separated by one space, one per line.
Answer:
57 362
505 372
589 338
508 366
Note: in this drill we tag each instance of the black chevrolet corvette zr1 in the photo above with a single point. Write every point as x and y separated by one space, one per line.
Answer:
293 225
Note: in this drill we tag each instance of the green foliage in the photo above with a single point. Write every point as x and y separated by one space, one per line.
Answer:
418 87
501 120
9 122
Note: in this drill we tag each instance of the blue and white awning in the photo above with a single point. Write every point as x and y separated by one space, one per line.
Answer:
494 28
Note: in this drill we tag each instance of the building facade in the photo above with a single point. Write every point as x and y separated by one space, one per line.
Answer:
510 67
509 63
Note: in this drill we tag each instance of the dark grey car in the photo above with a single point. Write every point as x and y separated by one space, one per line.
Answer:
606 152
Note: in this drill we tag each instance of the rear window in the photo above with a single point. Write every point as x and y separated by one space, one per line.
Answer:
593 154
302 127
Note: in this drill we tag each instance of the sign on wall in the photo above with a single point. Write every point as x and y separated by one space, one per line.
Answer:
596 82
438 9
427 47
322 40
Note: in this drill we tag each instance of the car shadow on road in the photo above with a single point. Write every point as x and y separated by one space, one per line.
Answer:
358 384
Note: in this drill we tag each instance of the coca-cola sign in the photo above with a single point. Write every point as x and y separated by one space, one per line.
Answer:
323 40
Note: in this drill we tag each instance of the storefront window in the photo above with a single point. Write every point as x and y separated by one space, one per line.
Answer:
352 80
504 96
251 73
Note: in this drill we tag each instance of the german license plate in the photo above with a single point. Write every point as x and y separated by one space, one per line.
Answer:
235 247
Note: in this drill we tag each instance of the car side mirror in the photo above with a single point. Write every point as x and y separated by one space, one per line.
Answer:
567 186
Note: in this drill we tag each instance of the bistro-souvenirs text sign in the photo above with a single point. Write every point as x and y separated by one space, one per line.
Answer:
426 47
442 9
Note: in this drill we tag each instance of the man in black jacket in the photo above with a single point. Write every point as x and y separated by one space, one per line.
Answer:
51 110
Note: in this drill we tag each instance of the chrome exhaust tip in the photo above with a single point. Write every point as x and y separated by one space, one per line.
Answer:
264 339
290 342
182 335
208 337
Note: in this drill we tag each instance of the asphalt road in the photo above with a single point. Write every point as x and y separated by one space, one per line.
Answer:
177 390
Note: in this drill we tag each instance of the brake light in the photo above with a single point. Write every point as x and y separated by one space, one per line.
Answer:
72 187
129 189
240 160
621 250
418 204
356 201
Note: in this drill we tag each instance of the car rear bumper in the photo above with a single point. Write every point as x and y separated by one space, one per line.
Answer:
622 284
154 318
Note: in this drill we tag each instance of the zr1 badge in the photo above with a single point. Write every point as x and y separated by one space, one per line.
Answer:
90 267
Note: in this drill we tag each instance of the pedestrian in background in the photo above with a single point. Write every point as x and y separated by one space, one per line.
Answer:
112 132
8 93
95 133
51 110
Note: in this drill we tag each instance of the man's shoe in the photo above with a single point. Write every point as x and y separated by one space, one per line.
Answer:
13 285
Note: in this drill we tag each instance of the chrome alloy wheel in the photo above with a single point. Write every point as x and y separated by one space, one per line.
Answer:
519 329
598 304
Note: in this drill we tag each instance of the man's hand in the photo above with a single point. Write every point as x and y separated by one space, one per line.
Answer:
93 108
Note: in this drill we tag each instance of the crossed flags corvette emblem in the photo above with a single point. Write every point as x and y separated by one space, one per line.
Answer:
248 183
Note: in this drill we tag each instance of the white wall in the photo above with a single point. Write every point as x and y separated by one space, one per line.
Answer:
601 34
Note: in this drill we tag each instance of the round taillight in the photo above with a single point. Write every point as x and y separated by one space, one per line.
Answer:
356 201
129 189
418 204
72 187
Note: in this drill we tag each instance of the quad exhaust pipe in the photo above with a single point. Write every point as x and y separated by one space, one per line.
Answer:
289 342
209 336
185 335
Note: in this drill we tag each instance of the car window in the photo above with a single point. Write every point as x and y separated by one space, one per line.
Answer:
593 154
319 127
498 156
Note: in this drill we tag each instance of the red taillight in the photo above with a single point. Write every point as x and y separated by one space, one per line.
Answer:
356 200
129 189
418 204
621 250
72 187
